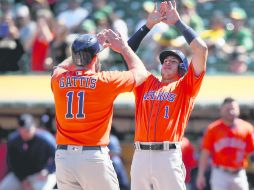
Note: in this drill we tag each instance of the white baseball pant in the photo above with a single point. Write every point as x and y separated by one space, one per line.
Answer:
224 180
78 169
161 169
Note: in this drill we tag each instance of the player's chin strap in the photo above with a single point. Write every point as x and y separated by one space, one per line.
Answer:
188 33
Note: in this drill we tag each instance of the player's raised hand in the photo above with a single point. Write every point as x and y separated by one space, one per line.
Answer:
154 17
115 41
102 38
170 13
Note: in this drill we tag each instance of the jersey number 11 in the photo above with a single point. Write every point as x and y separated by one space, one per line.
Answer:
80 102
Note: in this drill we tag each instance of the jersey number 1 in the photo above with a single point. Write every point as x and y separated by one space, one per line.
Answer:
166 114
80 114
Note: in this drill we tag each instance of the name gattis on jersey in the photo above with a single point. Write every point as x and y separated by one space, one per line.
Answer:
77 81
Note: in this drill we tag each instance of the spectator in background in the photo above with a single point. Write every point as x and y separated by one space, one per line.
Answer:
214 37
11 49
6 6
104 15
37 5
106 18
73 15
116 157
228 141
30 154
98 5
87 27
190 15
43 38
238 63
59 48
27 28
238 37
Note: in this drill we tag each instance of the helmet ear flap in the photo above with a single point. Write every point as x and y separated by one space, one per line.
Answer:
182 69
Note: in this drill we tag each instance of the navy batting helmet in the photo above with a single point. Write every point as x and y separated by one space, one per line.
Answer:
183 66
84 48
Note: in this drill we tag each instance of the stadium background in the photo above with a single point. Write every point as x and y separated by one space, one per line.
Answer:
31 92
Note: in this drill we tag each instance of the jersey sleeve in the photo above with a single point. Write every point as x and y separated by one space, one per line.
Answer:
140 88
119 81
192 83
55 74
207 141
250 140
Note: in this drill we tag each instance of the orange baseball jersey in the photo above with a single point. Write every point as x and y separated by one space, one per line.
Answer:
163 109
229 146
84 104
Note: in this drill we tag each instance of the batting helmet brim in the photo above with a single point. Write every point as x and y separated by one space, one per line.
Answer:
165 54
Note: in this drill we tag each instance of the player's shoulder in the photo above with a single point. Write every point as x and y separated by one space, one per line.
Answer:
246 124
64 66
57 71
152 78
113 75
215 124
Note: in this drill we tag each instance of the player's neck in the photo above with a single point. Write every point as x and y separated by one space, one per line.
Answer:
90 67
169 80
230 122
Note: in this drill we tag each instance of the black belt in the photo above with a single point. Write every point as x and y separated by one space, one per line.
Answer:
65 147
228 171
156 146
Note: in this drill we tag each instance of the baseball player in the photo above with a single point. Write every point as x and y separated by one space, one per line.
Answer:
228 141
84 104
163 107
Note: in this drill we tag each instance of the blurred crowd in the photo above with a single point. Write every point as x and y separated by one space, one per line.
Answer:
35 35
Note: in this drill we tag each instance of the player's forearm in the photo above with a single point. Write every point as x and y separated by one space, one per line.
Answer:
137 37
200 53
197 45
203 162
135 65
